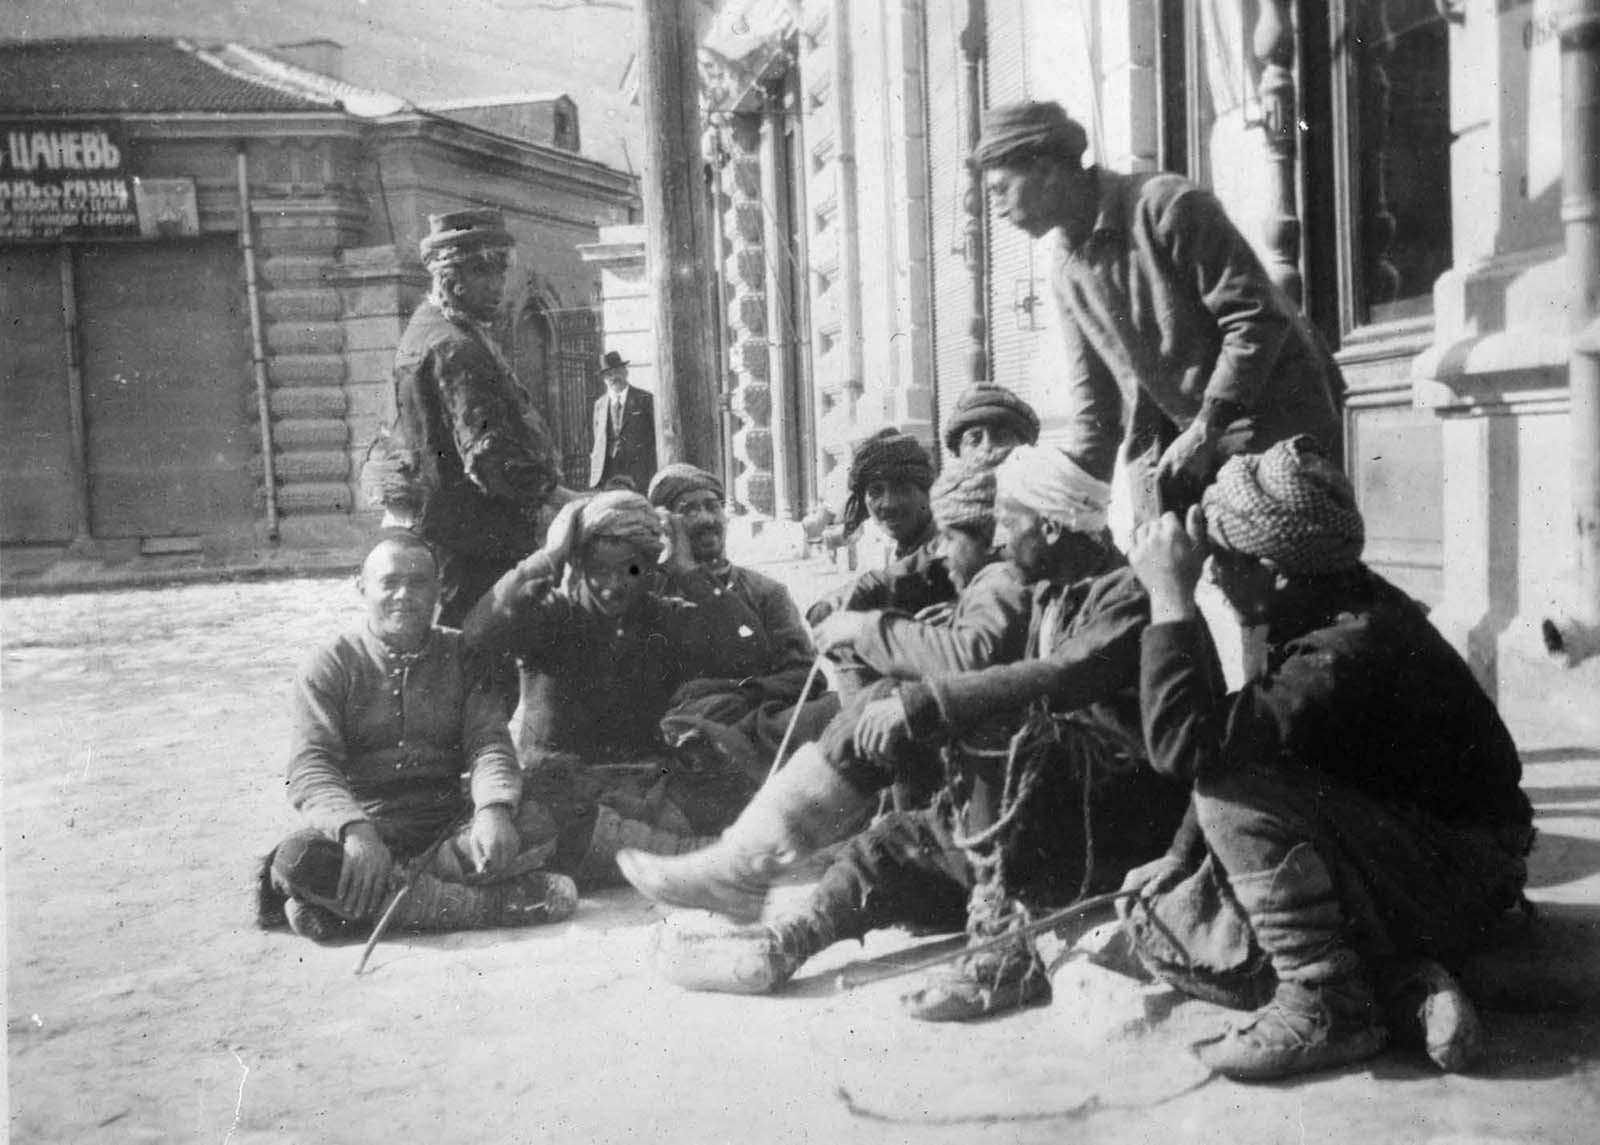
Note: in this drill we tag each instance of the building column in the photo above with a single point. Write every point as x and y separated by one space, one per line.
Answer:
745 275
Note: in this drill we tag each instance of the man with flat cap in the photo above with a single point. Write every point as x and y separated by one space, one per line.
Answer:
469 463
624 429
1178 344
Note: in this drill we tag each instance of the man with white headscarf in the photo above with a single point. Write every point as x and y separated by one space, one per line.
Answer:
1006 836
602 654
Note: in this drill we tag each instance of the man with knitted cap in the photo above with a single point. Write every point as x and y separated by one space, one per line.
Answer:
988 416
469 462
1177 342
1006 834
1357 825
759 651
890 474
602 654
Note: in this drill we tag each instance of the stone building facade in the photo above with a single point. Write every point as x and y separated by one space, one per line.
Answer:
1399 164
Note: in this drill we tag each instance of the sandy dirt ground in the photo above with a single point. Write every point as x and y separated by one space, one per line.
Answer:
144 742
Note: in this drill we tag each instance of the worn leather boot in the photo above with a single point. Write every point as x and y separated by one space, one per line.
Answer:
982 985
806 806
739 958
1426 1008
1323 1014
527 900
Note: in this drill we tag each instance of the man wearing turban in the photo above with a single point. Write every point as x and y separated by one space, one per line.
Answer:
759 651
890 474
1357 825
989 417
1006 835
1177 342
602 654
469 463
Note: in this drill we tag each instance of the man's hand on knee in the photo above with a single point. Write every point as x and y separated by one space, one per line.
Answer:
494 839
364 874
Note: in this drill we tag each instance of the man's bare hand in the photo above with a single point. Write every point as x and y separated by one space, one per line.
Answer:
882 727
1168 556
364 874
1151 879
842 629
1192 455
493 839
561 536
678 557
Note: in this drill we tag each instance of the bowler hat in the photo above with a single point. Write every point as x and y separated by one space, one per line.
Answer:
480 228
613 361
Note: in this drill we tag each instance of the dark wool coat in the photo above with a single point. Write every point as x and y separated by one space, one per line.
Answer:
1167 299
484 455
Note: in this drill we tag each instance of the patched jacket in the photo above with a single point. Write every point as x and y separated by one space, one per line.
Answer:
1166 302
1091 628
1368 693
484 455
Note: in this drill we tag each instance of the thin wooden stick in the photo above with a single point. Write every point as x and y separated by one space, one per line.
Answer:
417 868
794 717
868 976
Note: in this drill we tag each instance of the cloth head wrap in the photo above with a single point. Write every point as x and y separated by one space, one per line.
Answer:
1289 505
1015 133
619 515
887 455
673 481
986 404
964 494
457 236
1048 482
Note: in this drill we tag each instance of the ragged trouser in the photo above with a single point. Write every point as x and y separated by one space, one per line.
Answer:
1297 863
910 868
407 834
668 792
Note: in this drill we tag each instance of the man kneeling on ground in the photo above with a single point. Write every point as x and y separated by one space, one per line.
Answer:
1358 822
386 720
1006 835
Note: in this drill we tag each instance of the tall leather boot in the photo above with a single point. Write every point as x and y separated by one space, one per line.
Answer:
1322 1015
806 806
612 833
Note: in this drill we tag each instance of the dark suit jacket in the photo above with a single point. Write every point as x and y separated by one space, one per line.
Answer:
632 453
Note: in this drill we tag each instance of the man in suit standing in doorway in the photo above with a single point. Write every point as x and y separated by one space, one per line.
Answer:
624 429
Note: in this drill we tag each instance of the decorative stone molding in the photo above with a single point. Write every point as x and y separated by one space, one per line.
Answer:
745 279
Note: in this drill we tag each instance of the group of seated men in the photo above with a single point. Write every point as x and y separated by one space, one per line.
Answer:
1321 847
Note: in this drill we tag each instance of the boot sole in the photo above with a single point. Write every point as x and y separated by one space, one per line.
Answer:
1361 1047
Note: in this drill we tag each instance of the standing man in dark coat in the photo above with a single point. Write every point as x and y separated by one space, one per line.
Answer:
1178 343
477 461
624 429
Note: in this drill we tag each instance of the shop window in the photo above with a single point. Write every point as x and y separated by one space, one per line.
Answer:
1373 89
